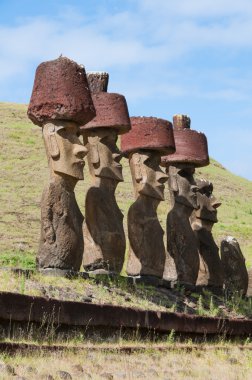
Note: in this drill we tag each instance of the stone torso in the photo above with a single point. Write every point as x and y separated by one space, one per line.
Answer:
182 245
61 241
147 251
103 232
210 272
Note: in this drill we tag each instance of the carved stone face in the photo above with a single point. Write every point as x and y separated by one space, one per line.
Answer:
148 177
104 156
208 204
182 183
64 150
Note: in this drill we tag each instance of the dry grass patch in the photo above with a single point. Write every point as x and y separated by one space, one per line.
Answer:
226 364
118 291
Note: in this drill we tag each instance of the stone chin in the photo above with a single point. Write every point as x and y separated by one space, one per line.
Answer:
190 201
156 192
208 216
74 171
113 173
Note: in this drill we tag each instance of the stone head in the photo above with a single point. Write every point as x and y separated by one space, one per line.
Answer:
182 184
103 154
208 204
148 177
64 150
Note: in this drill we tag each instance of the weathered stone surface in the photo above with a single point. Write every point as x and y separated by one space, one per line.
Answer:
170 272
103 229
202 221
149 133
249 293
191 151
60 92
147 251
97 81
111 112
181 241
144 144
181 121
191 146
61 240
61 100
233 261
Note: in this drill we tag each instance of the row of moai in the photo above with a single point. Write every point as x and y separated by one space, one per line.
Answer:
68 103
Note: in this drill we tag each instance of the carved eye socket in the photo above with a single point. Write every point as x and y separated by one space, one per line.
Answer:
183 173
207 191
110 140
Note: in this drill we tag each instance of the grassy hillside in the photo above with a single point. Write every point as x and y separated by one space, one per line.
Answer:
23 174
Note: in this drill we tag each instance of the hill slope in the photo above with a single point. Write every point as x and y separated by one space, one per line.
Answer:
23 174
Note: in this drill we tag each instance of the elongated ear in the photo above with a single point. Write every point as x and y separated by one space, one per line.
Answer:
53 146
137 163
49 133
93 149
172 173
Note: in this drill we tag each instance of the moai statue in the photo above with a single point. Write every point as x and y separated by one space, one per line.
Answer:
148 139
103 228
191 152
60 102
202 221
233 262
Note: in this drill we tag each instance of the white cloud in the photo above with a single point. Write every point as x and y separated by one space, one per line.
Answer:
41 39
127 37
197 8
184 53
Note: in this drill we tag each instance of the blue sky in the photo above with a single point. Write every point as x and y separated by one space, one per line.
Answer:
166 57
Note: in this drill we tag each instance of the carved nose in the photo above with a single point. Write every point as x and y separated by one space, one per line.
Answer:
117 157
80 151
216 204
162 177
194 189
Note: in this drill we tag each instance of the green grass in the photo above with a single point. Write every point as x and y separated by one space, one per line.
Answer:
17 260
23 174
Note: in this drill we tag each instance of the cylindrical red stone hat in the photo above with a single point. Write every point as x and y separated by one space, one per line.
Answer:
148 133
97 81
191 146
111 112
60 92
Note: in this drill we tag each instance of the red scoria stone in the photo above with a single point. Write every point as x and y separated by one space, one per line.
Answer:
111 112
191 146
60 92
148 133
